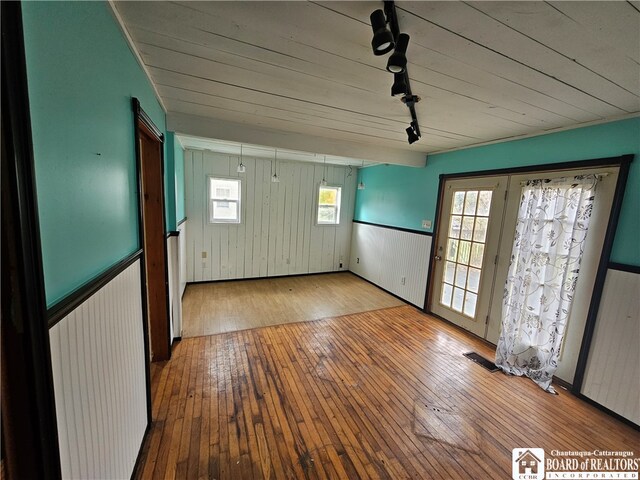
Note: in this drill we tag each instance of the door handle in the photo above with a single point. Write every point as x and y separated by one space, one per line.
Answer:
438 258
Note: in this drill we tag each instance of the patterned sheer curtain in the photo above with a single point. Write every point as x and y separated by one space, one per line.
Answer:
552 225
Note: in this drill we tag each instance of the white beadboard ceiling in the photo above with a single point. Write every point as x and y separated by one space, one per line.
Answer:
301 75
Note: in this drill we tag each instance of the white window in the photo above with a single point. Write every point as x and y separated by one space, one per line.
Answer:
224 200
329 205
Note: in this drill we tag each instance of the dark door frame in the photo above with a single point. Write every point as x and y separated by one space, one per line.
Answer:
142 122
30 433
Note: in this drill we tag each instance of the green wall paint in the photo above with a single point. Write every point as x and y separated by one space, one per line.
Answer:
81 77
178 157
176 154
404 196
170 182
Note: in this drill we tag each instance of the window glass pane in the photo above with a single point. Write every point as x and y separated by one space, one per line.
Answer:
473 283
328 196
461 276
484 203
225 210
477 255
458 202
452 250
447 290
467 228
470 203
454 230
470 302
458 298
326 214
449 270
224 189
328 205
480 230
465 251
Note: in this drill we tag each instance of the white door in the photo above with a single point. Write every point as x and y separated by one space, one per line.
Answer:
466 250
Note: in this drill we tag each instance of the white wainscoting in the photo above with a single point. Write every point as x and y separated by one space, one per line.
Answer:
97 354
175 296
611 377
182 258
278 234
385 256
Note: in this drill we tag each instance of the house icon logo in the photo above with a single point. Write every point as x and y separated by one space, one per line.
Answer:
528 464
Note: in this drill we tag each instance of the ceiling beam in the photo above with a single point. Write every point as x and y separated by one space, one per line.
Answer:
221 130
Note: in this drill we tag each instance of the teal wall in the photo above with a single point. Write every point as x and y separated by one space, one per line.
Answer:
404 196
81 77
174 181
178 157
170 182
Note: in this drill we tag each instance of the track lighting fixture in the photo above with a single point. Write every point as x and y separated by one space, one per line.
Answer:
382 37
399 85
398 60
412 134
275 178
241 166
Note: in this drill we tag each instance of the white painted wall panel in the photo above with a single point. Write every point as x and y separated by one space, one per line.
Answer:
182 257
612 377
98 361
385 256
175 293
278 234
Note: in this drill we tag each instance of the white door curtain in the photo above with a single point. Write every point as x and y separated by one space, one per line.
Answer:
551 230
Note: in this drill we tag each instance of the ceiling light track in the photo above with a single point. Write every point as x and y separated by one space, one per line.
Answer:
385 39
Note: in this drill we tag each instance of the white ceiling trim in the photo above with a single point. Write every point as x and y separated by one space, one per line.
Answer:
213 128
136 53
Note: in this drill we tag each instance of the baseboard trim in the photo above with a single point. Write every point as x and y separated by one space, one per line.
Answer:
222 280
386 291
137 465
604 409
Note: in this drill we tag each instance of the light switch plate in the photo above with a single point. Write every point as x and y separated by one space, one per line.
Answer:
426 223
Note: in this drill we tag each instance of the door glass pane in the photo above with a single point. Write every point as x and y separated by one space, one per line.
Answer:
458 299
458 202
468 224
474 280
454 231
461 276
447 290
470 301
467 228
477 254
449 271
470 203
465 251
452 250
484 203
480 230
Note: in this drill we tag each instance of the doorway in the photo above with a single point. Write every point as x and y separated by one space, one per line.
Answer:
149 150
468 275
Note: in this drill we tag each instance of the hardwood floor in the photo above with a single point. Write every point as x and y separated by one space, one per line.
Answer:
210 308
382 394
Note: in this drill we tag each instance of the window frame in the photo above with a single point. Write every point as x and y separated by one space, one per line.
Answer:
211 199
338 207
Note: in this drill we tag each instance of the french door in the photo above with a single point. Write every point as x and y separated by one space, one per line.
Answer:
466 250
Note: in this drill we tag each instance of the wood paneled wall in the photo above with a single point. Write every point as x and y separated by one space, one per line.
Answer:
278 234
386 256
612 377
97 354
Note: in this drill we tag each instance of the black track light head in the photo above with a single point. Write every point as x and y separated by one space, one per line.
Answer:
399 85
412 136
382 37
398 61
